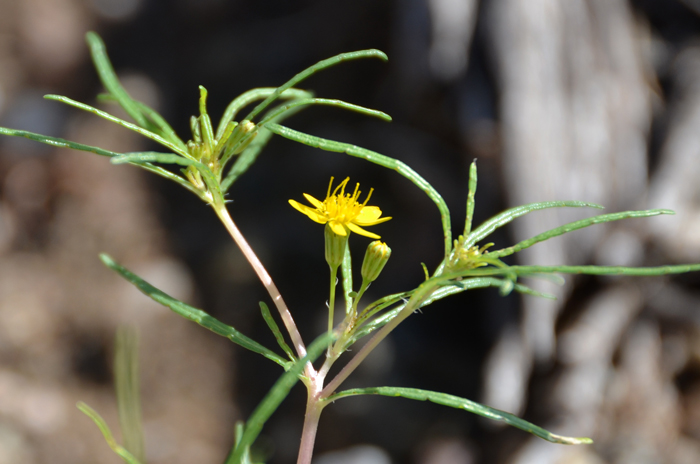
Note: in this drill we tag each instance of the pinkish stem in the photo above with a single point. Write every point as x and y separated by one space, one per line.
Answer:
265 278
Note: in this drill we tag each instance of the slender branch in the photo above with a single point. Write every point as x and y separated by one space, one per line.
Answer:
265 278
422 292
331 303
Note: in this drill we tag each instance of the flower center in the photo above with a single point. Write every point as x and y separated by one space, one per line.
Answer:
344 207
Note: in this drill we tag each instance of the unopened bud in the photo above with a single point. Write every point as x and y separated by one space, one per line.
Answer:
335 247
376 256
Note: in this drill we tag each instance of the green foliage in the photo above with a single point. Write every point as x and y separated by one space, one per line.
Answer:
127 385
461 403
107 433
213 159
193 314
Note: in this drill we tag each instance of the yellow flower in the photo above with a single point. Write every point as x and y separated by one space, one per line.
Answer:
341 211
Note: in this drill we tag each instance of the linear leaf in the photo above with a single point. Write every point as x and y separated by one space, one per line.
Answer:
311 70
462 403
62 143
146 133
327 102
531 271
168 158
249 97
274 398
503 218
163 128
246 159
109 78
127 386
374 157
56 142
603 218
276 330
452 288
193 314
159 125
155 157
109 438
250 154
608 270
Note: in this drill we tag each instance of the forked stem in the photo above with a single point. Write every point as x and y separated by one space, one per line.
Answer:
416 300
264 277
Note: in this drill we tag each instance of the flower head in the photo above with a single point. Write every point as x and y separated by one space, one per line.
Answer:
342 211
376 257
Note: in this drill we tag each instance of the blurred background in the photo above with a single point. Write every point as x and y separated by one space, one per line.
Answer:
594 100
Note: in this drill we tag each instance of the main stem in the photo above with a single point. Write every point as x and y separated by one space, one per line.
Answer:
264 277
308 434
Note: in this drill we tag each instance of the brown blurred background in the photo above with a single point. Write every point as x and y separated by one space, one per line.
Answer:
595 100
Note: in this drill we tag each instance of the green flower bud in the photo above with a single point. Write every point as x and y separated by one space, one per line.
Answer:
335 247
376 256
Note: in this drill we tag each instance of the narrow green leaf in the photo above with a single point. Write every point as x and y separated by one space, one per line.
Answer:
249 97
275 396
503 218
62 143
276 331
109 78
56 142
139 158
607 270
324 101
452 288
603 218
246 159
311 70
109 438
127 386
121 122
161 126
538 271
146 117
376 158
462 403
250 154
470 199
193 314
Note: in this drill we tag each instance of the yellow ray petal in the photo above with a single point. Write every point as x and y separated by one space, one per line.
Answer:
317 204
372 223
313 214
338 228
360 231
369 214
